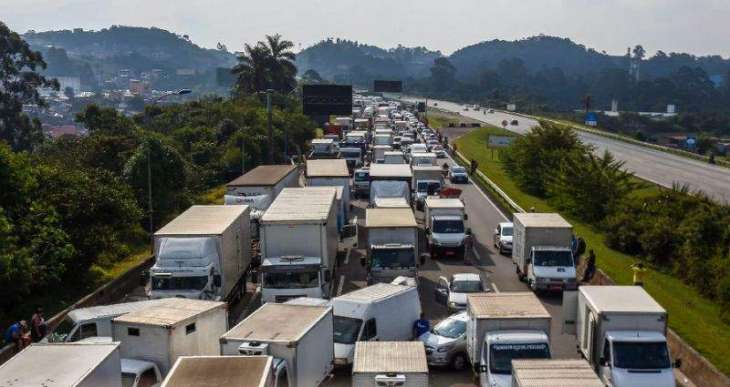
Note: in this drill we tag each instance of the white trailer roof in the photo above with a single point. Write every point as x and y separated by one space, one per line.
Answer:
436 202
373 293
278 323
390 170
263 176
389 217
426 168
301 205
203 220
505 304
544 220
327 168
554 373
219 371
390 356
169 313
54 364
621 299
99 311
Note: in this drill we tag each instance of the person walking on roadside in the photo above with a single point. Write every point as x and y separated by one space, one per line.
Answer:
639 271
38 326
474 165
421 326
590 269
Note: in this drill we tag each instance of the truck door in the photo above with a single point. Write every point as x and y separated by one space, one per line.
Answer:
370 330
570 311
349 235
588 335
281 376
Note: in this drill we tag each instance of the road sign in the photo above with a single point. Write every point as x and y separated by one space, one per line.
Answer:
382 86
327 99
500 141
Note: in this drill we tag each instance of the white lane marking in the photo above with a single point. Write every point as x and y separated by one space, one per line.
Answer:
494 286
340 285
479 189
347 256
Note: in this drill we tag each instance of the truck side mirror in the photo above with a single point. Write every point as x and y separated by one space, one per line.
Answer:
482 368
363 262
677 363
468 231
428 231
466 216
217 280
602 362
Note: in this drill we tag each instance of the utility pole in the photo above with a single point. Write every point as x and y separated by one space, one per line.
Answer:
149 195
270 129
243 155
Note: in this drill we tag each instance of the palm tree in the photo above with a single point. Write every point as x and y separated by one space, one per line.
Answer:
282 67
253 68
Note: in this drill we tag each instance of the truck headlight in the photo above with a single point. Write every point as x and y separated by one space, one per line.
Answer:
452 304
444 348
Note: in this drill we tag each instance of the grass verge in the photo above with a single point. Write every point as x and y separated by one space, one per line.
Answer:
694 317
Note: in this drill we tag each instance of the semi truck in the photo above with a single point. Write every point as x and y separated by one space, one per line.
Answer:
621 331
221 371
203 254
392 249
299 337
445 227
390 363
299 244
541 251
563 372
428 180
259 187
503 327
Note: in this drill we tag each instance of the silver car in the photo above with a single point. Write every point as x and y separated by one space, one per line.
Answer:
446 342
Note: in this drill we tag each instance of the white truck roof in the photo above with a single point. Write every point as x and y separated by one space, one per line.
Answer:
398 202
424 154
426 168
263 176
203 220
621 299
170 313
301 205
505 304
327 168
323 141
393 153
283 323
436 202
219 371
53 365
390 170
100 311
373 293
390 356
542 220
554 373
389 217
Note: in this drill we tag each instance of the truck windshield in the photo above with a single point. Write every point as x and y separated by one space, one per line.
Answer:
128 379
431 188
393 258
640 356
506 231
361 176
466 286
179 283
448 227
553 258
346 329
350 155
450 328
296 280
501 355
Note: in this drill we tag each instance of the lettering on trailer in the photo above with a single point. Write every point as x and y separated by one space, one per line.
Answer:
327 100
518 347
382 86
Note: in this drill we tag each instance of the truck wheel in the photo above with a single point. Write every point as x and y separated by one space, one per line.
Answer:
459 362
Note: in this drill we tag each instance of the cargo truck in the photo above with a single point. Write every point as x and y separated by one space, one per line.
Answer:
428 180
541 251
394 157
203 254
64 365
324 148
221 371
446 230
423 158
331 173
621 331
380 312
392 249
563 373
503 327
259 187
299 244
352 156
390 363
177 327
390 180
299 337
379 151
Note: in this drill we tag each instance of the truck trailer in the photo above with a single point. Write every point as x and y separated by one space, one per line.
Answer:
221 371
390 363
553 373
331 173
392 249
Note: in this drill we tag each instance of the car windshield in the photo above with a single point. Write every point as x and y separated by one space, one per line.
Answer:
393 258
466 286
451 328
506 231
501 355
448 227
350 154
640 356
292 280
361 176
458 170
179 283
562 258
346 329
128 379
431 188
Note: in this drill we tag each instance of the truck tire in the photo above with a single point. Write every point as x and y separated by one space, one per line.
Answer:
459 362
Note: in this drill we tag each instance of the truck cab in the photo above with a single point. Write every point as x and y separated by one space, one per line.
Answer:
186 267
390 260
361 182
353 157
445 227
140 373
500 348
424 189
551 269
279 367
635 359
284 278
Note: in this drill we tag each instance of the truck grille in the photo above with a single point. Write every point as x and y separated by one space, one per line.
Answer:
285 298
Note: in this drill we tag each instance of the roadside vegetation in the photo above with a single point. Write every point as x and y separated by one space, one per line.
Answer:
682 236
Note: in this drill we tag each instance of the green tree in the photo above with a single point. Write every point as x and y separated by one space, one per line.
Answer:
252 70
282 68
443 73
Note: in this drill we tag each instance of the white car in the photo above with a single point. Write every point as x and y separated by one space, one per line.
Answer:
439 151
503 237
446 342
453 292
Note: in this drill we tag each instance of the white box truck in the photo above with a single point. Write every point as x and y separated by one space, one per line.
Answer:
541 250
446 230
502 327
221 371
299 244
621 331
177 327
428 180
203 254
394 157
64 365
553 373
390 363
423 158
259 187
380 312
378 153
390 180
392 249
299 337
331 173
324 148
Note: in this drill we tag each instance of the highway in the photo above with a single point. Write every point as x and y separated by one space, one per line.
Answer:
659 167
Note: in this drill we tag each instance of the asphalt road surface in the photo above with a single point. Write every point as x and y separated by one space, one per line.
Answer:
653 165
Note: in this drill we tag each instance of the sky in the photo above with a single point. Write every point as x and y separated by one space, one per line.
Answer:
698 27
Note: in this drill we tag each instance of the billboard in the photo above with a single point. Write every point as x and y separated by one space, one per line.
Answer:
500 141
421 107
327 99
381 86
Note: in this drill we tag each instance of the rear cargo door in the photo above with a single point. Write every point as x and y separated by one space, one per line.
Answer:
570 311
349 235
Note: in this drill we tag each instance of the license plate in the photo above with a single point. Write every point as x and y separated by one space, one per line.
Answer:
449 253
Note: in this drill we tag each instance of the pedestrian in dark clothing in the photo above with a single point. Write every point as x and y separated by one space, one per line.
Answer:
590 269
474 165
14 334
38 326
421 326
